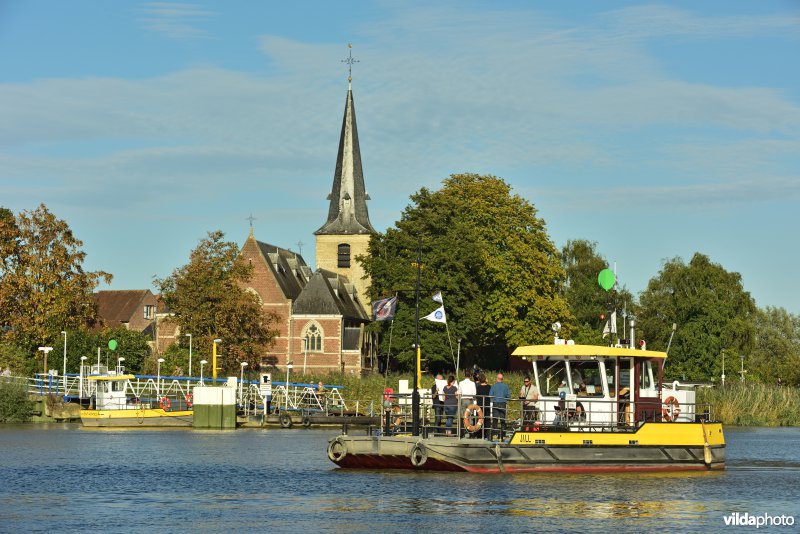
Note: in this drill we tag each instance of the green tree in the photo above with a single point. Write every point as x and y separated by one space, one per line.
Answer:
131 345
587 300
208 299
712 312
491 257
777 349
43 287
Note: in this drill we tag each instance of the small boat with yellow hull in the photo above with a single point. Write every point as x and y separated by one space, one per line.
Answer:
115 406
599 409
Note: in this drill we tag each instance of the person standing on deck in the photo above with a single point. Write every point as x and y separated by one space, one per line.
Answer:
467 392
500 395
530 396
450 403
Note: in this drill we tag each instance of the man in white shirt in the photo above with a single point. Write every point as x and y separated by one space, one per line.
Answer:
466 391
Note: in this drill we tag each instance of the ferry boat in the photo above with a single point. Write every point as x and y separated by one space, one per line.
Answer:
116 405
599 409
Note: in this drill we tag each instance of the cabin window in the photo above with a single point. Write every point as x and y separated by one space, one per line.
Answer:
586 378
611 372
116 386
344 255
552 376
646 379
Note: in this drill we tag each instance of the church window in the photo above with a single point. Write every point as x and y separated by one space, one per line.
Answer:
344 255
313 338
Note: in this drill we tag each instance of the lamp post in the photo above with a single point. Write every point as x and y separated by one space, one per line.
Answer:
214 360
64 332
742 371
202 363
288 370
80 381
190 353
158 380
48 349
723 367
305 354
241 382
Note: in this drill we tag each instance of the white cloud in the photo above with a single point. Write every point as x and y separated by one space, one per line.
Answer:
175 20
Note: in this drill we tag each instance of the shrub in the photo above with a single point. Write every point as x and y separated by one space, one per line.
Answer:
15 407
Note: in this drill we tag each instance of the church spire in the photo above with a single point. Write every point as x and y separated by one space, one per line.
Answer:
348 213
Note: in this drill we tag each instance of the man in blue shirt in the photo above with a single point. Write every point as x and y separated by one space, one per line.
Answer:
500 395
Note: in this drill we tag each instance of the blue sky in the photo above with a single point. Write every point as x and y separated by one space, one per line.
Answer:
655 129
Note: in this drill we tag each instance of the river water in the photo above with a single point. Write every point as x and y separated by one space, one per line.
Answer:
64 478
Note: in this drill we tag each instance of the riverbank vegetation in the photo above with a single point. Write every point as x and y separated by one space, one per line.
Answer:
15 407
753 404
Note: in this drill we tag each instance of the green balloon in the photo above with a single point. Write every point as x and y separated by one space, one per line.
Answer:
606 279
112 344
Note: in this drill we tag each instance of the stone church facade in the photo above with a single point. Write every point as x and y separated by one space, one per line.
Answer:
322 313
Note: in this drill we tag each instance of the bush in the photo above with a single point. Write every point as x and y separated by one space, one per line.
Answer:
15 407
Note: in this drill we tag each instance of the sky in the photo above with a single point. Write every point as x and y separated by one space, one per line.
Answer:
656 130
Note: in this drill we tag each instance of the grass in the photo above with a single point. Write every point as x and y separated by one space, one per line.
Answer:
753 404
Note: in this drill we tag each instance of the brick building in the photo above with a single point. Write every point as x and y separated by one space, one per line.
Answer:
322 313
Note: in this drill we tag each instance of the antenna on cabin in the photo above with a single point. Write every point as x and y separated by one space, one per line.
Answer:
674 327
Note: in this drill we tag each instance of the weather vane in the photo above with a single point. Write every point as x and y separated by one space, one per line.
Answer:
251 219
350 60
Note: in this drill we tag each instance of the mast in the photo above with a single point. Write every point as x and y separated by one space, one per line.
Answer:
415 394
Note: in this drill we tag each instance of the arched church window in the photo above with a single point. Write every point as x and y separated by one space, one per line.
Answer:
313 338
344 255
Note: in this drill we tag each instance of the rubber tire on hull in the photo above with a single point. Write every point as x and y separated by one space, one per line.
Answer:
337 450
306 421
286 420
419 455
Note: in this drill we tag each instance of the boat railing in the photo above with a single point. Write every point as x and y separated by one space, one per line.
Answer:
480 418
304 398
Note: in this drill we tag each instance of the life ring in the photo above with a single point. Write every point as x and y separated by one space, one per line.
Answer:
671 409
189 400
306 421
165 403
419 455
285 420
337 450
473 410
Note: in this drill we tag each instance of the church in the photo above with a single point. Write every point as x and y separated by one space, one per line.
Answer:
322 313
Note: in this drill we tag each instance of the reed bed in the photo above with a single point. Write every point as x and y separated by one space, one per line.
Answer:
753 404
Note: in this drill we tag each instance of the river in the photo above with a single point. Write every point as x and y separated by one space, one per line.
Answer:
64 478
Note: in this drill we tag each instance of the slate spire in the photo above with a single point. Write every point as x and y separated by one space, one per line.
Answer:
348 213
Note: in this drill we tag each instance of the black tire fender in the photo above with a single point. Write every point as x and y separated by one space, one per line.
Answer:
419 455
337 450
286 420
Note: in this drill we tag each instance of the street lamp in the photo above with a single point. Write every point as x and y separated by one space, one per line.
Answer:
80 381
742 371
65 360
241 381
305 355
190 353
48 349
723 367
214 359
158 373
289 367
202 363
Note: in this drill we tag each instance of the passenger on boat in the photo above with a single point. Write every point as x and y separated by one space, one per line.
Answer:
437 397
500 395
321 394
560 409
483 395
450 403
530 397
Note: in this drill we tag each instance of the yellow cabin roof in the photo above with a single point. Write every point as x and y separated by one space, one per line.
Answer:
571 351
110 377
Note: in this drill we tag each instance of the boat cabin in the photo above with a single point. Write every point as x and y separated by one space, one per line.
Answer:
587 385
111 391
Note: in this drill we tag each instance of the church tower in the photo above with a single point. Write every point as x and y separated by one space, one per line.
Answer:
347 231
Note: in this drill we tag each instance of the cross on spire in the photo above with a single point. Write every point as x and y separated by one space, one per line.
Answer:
350 60
251 219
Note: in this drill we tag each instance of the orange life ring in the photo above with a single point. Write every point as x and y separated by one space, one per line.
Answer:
671 409
165 403
189 400
473 410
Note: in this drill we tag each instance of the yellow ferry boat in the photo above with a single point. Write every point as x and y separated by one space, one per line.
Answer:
599 409
116 406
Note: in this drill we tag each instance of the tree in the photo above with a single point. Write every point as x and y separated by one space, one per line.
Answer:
777 349
491 257
587 300
712 312
208 299
43 287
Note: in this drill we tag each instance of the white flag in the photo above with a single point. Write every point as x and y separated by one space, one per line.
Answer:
613 327
438 298
437 315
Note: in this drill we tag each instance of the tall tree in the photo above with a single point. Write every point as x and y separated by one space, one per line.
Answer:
489 254
712 312
588 301
208 299
777 351
43 287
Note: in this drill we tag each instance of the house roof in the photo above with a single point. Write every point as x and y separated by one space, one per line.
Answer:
329 293
117 307
289 268
348 213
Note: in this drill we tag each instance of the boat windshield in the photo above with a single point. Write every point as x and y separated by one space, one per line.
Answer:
552 375
586 378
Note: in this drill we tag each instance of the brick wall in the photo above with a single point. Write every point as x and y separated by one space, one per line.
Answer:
328 256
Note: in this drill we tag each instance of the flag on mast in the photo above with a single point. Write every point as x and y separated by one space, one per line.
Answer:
383 309
438 297
437 315
611 324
